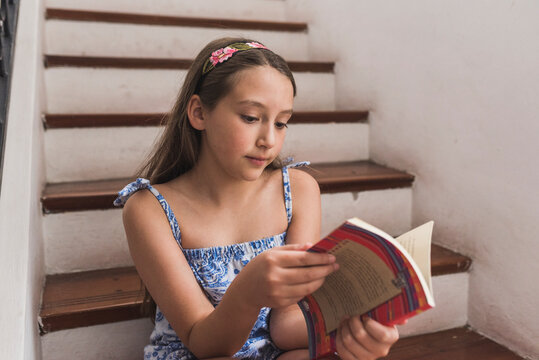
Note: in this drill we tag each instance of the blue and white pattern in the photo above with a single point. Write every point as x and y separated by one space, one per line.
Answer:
214 268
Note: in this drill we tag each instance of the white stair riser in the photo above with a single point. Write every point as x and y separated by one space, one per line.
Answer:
90 90
115 341
88 240
390 210
153 41
451 310
125 340
234 9
105 153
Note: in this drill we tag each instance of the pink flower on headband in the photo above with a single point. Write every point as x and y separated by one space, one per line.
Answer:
256 45
218 56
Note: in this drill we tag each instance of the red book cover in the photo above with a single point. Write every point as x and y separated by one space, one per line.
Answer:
377 277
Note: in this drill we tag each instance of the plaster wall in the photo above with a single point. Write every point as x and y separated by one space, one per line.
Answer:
452 89
21 249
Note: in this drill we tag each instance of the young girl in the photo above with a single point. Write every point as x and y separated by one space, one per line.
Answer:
228 276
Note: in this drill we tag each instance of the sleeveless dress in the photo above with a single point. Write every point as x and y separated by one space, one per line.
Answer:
214 269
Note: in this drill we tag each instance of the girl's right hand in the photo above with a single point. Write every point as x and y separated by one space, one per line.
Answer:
283 275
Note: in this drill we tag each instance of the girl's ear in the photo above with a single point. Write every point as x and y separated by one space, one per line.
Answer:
195 113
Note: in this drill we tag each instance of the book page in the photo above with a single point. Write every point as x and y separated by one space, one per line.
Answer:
362 282
417 243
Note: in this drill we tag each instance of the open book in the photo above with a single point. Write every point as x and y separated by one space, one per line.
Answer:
384 278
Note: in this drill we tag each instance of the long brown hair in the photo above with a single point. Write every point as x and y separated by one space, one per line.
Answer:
177 150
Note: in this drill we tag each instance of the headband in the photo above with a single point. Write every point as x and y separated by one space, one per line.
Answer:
223 54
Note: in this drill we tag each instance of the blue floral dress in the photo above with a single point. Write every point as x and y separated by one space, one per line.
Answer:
214 268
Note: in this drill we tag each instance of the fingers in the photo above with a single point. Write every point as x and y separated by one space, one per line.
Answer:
382 334
299 291
348 345
302 275
299 282
364 340
296 256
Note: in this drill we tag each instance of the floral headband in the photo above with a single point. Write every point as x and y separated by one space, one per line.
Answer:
223 54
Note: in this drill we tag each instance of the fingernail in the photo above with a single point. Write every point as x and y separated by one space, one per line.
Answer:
335 266
332 258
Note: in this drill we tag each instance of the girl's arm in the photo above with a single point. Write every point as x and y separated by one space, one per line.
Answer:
287 325
276 278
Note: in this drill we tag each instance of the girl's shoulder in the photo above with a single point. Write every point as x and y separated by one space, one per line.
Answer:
302 184
141 204
301 178
142 201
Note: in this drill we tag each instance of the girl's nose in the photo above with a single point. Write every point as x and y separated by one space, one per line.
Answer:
266 136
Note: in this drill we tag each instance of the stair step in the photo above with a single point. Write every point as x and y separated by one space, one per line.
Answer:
160 63
332 178
275 10
101 242
102 296
59 121
132 18
460 343
112 90
72 38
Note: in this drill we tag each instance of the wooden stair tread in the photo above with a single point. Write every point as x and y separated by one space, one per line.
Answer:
163 20
332 177
90 298
161 63
460 343
56 121
102 296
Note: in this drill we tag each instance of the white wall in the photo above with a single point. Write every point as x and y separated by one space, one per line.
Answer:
453 89
21 250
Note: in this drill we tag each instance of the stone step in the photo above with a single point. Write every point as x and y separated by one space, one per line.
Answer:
160 63
87 154
63 121
275 10
92 33
112 295
167 20
111 90
332 177
454 344
461 343
81 213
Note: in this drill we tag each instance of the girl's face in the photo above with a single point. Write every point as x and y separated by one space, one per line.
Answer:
245 132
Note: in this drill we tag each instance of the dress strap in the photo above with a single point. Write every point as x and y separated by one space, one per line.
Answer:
140 183
286 185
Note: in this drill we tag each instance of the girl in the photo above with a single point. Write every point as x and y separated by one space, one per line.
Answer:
217 166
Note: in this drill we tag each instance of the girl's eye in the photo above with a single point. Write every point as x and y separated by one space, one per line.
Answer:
249 119
281 125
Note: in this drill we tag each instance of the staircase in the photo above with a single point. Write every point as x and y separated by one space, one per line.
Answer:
111 70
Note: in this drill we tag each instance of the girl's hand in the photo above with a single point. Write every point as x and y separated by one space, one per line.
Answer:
364 340
283 275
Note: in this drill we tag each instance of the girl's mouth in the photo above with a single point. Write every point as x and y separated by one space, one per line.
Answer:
257 161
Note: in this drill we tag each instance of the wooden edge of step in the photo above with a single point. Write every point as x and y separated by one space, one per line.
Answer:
65 121
103 296
164 20
459 343
51 61
352 176
91 298
332 178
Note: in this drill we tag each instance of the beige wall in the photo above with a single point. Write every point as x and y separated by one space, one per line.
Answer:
21 249
453 87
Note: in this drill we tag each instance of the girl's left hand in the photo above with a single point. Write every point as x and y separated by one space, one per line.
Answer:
364 340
